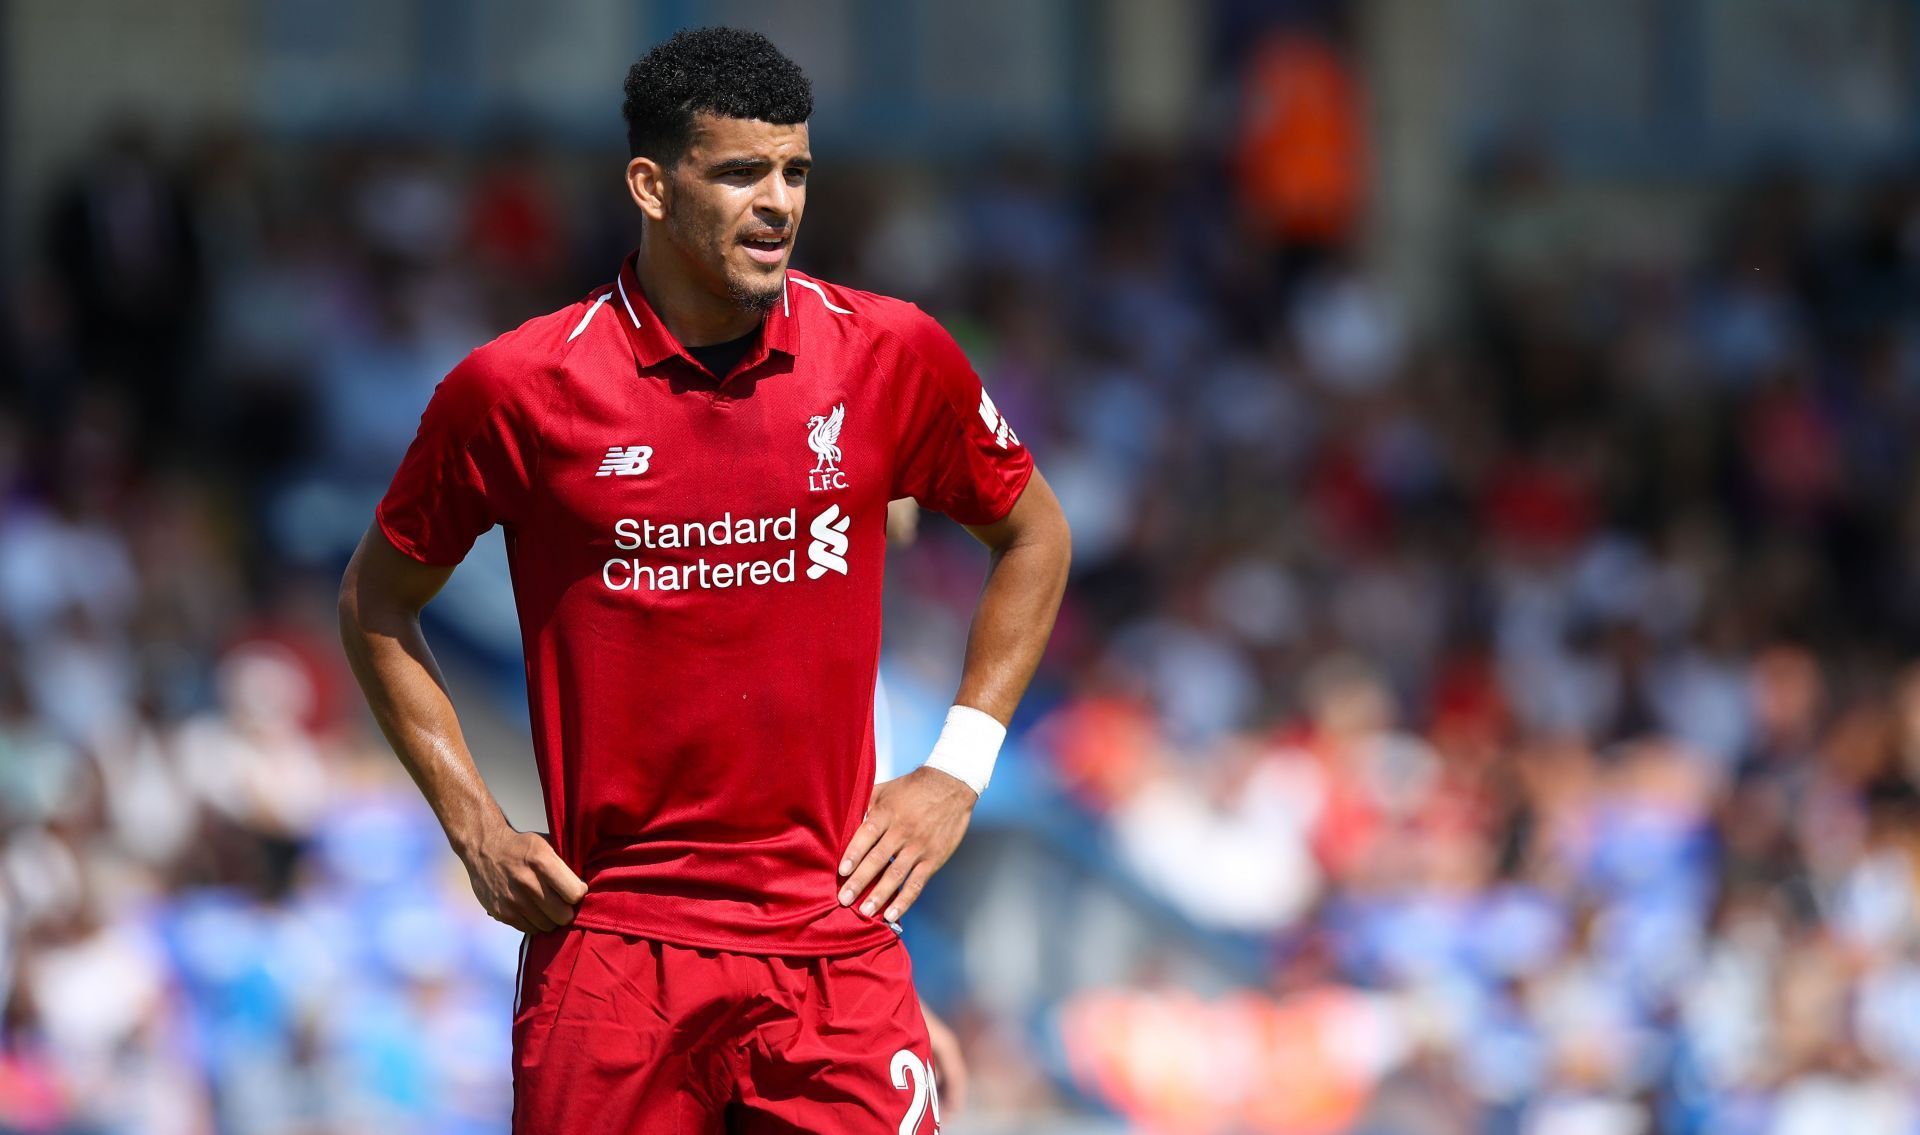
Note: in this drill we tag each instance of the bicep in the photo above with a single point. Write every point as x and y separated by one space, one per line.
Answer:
382 576
1035 516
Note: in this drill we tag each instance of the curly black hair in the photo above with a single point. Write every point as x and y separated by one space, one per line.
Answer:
726 71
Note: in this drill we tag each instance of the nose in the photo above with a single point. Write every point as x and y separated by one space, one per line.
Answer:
776 198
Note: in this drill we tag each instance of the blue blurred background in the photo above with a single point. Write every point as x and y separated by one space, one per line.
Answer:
1486 700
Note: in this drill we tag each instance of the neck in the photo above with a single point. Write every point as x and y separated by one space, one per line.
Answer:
696 316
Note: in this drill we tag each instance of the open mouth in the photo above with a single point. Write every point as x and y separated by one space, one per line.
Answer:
767 250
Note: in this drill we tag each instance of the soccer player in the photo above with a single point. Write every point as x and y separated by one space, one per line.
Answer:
692 466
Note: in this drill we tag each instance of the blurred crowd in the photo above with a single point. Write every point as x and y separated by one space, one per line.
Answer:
1544 687
226 908
1533 680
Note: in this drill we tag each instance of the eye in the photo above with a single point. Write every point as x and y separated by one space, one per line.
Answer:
796 176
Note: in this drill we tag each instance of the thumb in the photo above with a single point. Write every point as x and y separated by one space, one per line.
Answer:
565 883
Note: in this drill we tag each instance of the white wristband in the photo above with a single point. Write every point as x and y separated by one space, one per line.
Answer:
969 744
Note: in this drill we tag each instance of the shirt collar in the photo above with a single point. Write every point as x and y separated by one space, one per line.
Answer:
654 344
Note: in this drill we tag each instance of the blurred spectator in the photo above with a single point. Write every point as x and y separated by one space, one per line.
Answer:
122 244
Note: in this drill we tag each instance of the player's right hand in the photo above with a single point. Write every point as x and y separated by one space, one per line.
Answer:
522 881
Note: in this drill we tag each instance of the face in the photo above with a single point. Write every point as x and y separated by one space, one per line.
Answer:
731 205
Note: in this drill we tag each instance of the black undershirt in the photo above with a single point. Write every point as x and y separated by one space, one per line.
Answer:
720 358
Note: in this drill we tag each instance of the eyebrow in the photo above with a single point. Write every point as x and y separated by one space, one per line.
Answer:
733 165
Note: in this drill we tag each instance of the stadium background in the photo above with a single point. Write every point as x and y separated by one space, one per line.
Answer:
1485 700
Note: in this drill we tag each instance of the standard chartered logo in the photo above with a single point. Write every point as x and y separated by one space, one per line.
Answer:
829 548
758 556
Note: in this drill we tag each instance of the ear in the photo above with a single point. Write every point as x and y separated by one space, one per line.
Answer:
647 182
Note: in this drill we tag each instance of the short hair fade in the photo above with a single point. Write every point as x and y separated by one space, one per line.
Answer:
730 72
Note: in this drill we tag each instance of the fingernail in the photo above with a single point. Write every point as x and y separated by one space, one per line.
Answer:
846 865
846 897
867 907
893 914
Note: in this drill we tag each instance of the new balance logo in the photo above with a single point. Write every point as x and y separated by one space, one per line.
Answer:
996 425
625 461
829 548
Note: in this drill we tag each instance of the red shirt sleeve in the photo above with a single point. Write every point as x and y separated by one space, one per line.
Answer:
469 467
956 454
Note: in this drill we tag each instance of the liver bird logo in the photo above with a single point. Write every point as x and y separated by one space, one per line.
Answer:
823 437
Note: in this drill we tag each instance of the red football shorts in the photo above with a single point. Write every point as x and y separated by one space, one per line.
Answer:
616 1034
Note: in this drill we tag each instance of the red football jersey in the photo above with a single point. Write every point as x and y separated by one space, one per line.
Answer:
697 566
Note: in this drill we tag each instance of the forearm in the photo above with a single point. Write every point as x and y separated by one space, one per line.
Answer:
915 822
408 698
1013 620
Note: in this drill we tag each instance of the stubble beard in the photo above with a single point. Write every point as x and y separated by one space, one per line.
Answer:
757 298
760 299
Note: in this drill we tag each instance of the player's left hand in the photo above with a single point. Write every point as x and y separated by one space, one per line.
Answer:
912 827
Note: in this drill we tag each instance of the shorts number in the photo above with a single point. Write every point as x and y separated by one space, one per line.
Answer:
910 1073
